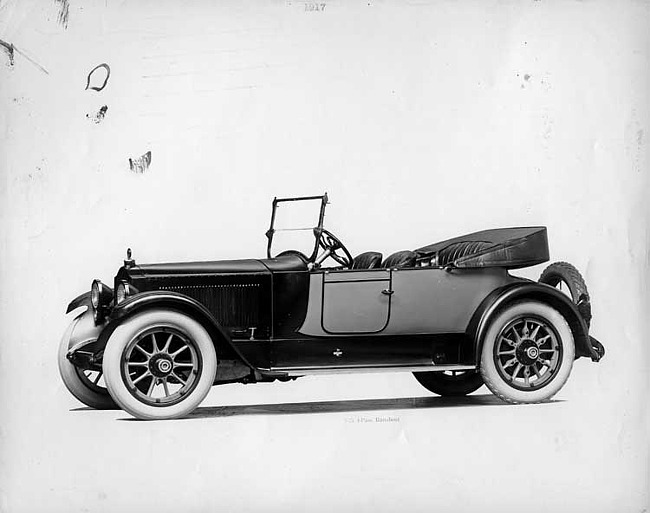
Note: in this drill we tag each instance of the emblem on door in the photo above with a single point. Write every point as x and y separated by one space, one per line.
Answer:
338 352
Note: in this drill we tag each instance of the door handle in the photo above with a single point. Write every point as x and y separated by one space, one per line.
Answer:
388 292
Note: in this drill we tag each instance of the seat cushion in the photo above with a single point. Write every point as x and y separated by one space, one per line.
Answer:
400 259
459 250
367 260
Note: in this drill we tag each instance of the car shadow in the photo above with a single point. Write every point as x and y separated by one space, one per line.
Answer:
348 406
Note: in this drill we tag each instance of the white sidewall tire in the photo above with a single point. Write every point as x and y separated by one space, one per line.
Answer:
491 376
75 384
126 332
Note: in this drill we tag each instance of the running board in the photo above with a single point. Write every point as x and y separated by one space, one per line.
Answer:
302 371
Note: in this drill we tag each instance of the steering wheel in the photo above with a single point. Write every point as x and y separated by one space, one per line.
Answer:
329 243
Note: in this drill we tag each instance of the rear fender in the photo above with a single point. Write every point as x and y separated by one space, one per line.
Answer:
179 302
502 297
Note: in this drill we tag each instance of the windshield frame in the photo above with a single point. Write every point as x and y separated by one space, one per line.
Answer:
317 230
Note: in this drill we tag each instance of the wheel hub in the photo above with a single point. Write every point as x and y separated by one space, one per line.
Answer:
527 352
161 365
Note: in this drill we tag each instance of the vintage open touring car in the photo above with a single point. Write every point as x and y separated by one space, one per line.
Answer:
450 312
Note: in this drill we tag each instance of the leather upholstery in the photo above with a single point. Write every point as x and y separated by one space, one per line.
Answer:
460 249
367 260
400 259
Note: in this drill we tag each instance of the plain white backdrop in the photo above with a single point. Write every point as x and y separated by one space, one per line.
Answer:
422 120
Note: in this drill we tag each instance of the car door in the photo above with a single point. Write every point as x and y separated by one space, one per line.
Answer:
356 301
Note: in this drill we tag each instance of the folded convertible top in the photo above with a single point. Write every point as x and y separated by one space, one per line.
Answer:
511 248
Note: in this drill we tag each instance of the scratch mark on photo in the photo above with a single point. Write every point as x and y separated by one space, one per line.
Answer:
30 60
98 117
140 164
104 66
9 50
64 12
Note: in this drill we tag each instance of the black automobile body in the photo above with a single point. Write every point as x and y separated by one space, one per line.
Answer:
427 311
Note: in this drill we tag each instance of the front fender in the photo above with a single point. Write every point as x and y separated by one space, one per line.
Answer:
180 302
503 296
80 300
80 338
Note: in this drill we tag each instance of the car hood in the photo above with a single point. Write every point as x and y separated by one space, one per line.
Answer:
212 267
289 262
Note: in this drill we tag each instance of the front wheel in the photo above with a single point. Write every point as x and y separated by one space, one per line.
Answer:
528 352
159 364
450 383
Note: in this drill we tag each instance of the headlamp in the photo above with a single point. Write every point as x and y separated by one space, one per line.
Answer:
100 295
123 291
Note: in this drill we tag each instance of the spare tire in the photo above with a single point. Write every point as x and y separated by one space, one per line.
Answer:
565 277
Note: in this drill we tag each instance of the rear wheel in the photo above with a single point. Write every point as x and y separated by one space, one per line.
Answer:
528 352
160 364
450 383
